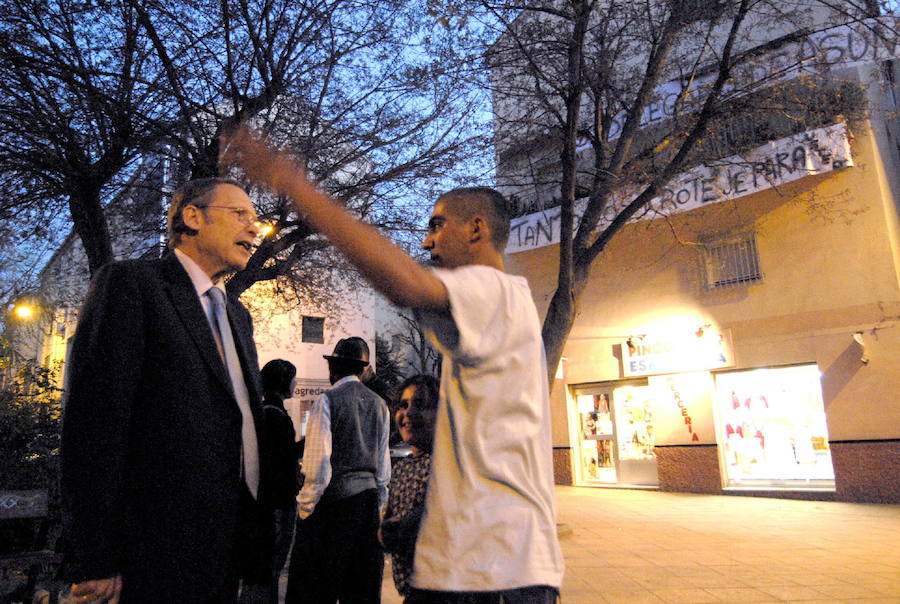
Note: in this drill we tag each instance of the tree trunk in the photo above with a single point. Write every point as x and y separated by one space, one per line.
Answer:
89 223
240 282
561 317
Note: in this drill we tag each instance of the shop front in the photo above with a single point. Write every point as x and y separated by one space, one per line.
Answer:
615 423
767 425
745 345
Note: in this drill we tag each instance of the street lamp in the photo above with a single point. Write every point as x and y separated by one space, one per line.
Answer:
24 311
265 229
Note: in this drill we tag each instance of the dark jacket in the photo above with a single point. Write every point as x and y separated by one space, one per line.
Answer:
151 447
281 455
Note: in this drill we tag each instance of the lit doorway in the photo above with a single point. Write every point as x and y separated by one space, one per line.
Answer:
613 425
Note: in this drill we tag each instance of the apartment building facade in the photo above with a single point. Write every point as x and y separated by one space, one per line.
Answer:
747 339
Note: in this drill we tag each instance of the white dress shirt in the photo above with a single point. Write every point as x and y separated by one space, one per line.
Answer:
201 282
317 456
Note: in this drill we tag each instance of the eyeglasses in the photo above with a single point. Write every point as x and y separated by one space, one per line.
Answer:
245 217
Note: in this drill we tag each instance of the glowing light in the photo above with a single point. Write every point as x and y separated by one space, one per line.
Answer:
23 311
265 230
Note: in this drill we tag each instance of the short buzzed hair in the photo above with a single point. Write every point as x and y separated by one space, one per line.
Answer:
486 202
194 192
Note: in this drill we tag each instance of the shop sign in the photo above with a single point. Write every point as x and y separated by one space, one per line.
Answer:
683 408
305 394
774 164
22 504
307 391
694 351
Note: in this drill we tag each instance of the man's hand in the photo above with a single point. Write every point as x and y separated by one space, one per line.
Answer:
97 590
261 162
388 533
386 266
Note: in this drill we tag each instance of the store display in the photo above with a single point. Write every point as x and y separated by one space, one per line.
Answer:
597 461
615 427
772 424
634 422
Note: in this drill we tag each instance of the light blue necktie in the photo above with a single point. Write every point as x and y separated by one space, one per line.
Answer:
250 454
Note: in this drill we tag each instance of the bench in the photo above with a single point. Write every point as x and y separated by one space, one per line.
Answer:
37 563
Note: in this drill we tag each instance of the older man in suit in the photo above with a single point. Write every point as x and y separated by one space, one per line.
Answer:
162 423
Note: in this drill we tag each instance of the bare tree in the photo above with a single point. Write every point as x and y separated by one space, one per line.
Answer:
103 98
388 361
603 103
362 89
77 78
422 356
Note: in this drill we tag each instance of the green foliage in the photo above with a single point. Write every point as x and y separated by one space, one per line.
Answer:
388 361
30 424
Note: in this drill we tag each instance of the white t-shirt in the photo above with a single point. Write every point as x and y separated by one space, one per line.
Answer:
490 522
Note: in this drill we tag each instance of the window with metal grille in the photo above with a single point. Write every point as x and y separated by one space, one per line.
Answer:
731 261
313 330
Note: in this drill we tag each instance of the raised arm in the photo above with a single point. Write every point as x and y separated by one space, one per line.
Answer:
390 270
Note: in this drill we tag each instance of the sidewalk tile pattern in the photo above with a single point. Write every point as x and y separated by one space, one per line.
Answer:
626 546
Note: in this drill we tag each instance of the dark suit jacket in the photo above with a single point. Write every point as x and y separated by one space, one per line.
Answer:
151 447
280 456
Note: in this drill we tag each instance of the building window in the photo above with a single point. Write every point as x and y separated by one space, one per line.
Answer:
689 11
313 331
731 261
771 428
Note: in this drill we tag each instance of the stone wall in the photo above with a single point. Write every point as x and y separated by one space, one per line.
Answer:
867 471
562 466
690 469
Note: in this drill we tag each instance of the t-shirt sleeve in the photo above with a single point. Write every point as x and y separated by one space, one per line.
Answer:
475 327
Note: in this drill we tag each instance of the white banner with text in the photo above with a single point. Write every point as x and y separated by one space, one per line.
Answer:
771 165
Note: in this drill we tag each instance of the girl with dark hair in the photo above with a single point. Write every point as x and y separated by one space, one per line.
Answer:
415 416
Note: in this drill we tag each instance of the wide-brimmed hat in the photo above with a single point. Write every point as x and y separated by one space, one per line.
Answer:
350 350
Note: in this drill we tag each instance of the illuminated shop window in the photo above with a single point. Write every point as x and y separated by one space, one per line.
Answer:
771 428
313 330
616 433
597 451
731 261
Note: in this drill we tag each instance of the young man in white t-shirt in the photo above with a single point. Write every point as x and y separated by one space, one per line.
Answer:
489 532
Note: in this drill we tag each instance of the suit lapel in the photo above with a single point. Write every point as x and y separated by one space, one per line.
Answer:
184 298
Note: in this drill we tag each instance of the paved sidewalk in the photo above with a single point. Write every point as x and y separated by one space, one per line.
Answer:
624 546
